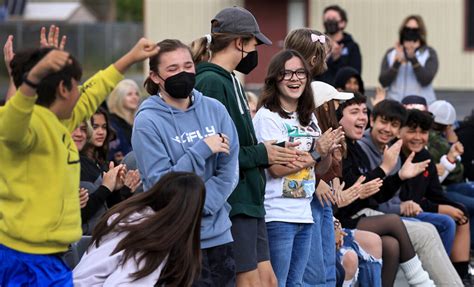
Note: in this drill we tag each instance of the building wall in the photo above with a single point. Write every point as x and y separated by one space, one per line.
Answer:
181 19
374 25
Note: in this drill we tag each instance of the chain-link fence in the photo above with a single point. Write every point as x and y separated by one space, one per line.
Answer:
94 45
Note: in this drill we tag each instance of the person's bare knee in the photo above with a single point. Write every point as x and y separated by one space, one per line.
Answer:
370 242
267 276
350 262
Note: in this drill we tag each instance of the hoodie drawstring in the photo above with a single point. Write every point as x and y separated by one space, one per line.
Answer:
236 83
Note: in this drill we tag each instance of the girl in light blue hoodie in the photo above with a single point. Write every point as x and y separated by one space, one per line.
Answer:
178 129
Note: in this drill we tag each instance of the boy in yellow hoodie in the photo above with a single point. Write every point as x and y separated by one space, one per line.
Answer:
39 174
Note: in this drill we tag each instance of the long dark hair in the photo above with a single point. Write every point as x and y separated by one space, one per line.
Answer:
99 154
172 232
270 97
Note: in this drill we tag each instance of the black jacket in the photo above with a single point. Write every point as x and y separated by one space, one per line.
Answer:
350 56
425 188
466 137
353 166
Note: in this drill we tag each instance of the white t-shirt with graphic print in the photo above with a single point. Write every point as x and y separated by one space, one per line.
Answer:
288 199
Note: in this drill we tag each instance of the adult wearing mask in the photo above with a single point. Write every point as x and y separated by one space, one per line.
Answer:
410 67
344 50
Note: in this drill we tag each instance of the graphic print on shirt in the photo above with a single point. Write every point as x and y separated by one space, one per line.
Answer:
302 183
189 137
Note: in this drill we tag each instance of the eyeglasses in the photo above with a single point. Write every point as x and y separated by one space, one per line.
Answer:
288 74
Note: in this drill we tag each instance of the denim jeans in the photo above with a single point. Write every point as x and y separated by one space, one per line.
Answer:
445 225
315 272
464 193
329 245
289 250
370 268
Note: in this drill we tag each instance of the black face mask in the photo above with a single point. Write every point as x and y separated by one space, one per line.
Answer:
247 64
410 34
331 27
180 86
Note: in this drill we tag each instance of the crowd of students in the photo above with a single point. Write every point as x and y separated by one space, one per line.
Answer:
203 184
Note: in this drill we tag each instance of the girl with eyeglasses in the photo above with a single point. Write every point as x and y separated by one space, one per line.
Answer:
286 114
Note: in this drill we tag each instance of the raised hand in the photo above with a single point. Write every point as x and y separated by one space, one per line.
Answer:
329 141
390 157
218 143
111 179
8 53
370 188
410 169
83 197
410 208
52 40
53 62
142 50
457 149
281 155
346 197
339 138
399 55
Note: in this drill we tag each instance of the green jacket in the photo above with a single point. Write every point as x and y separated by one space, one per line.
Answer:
247 198
438 146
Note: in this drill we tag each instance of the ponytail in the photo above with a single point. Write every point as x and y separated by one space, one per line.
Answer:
151 87
203 48
200 49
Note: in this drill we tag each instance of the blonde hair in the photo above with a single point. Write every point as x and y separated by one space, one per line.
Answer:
117 96
301 41
251 97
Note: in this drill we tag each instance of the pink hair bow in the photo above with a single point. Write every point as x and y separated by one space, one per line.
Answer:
320 38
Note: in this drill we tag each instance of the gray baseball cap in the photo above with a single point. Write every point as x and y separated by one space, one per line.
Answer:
238 20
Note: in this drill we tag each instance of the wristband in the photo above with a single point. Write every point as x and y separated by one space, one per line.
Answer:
316 156
28 82
452 162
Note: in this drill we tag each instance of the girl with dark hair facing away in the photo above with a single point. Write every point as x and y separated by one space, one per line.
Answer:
179 129
152 238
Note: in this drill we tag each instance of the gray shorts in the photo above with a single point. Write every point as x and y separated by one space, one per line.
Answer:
250 242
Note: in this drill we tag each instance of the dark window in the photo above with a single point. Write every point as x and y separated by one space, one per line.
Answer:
469 25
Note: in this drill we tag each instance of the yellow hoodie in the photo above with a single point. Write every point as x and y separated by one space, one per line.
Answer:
40 169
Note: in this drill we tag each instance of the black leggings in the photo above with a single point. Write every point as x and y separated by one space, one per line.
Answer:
396 245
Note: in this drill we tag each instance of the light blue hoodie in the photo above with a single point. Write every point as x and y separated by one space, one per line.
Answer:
168 139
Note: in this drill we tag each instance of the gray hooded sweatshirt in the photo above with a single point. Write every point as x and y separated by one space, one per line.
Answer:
375 158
